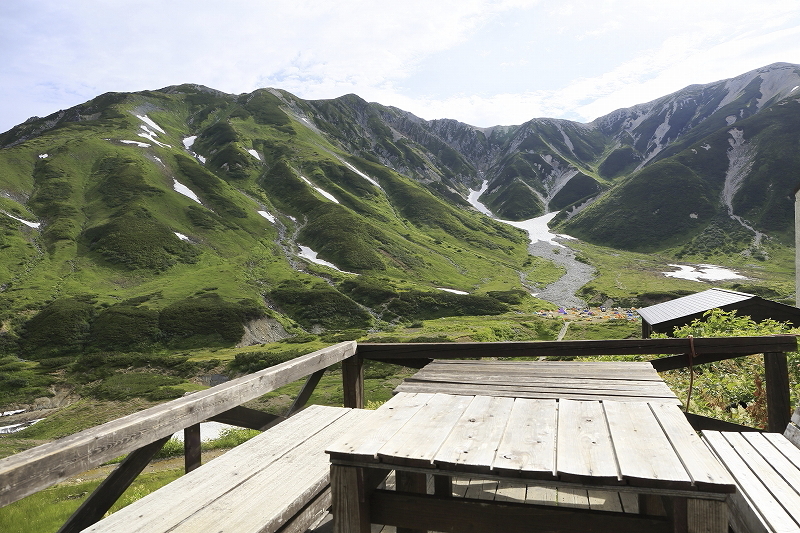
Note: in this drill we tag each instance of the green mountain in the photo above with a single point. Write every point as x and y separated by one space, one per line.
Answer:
179 217
191 217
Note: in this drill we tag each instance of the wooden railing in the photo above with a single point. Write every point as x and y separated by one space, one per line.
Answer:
141 435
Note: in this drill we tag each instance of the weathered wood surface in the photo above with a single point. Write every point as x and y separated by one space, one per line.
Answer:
589 442
256 487
111 488
620 381
768 497
32 470
583 348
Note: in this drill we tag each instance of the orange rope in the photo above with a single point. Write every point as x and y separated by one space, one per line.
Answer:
692 354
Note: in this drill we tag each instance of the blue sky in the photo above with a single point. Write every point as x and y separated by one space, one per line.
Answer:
484 62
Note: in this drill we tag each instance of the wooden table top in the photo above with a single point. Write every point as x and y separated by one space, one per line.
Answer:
576 380
645 444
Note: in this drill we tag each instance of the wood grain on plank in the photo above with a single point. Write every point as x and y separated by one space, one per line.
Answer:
529 441
364 441
750 485
644 453
584 447
476 435
418 441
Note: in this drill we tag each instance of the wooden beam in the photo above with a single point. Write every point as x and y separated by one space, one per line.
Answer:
35 469
779 407
699 423
108 492
244 417
434 513
583 348
305 393
353 382
682 361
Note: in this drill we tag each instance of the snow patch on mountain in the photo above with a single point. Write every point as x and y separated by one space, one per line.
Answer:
137 143
254 154
184 190
311 255
147 120
181 236
473 196
354 169
34 225
268 216
324 193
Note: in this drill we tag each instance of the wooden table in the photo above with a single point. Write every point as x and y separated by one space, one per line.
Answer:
646 448
577 380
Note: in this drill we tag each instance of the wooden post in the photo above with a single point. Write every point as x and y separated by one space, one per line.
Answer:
191 448
305 393
349 504
707 516
776 374
108 492
353 381
410 482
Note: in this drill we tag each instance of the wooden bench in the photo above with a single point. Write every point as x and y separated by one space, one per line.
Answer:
277 481
766 468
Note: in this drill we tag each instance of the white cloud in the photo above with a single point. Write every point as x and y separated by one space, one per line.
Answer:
573 59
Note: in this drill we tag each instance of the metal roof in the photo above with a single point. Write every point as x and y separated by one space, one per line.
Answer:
692 304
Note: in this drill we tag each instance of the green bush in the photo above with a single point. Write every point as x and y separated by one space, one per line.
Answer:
124 386
207 319
136 240
319 305
123 327
413 305
61 328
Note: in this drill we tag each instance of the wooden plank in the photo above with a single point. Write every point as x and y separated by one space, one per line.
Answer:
475 437
704 470
792 434
584 447
756 495
604 500
529 441
644 453
310 514
775 457
582 348
363 443
773 480
263 502
190 494
509 491
630 502
418 441
110 489
456 514
35 469
519 392
541 495
482 489
776 376
573 497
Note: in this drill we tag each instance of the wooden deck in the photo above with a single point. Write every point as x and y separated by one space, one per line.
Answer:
573 380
